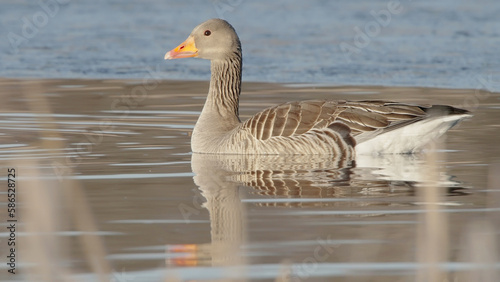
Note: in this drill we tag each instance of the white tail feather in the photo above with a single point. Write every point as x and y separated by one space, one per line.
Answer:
410 138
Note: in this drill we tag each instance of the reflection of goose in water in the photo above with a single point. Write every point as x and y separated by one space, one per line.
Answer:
293 182
302 181
227 215
307 127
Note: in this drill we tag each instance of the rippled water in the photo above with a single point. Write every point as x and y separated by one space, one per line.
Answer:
446 43
104 168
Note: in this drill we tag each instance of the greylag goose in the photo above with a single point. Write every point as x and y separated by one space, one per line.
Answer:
305 127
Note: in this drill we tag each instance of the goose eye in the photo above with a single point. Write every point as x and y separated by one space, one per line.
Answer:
207 32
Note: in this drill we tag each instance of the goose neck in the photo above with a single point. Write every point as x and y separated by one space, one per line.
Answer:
225 87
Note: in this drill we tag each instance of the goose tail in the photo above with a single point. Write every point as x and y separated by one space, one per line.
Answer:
411 136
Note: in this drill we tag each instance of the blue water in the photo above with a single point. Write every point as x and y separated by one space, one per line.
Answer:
452 44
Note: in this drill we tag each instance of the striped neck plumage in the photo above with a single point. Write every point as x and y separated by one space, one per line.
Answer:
225 86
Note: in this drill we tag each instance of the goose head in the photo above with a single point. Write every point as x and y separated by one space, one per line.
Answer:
214 39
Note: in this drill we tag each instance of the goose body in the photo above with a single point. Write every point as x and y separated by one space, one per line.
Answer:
306 127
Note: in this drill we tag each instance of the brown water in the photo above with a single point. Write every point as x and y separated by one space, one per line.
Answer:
107 184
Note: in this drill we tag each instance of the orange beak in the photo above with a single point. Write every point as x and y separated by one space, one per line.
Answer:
187 49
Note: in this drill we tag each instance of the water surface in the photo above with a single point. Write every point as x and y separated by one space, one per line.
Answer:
105 169
447 43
